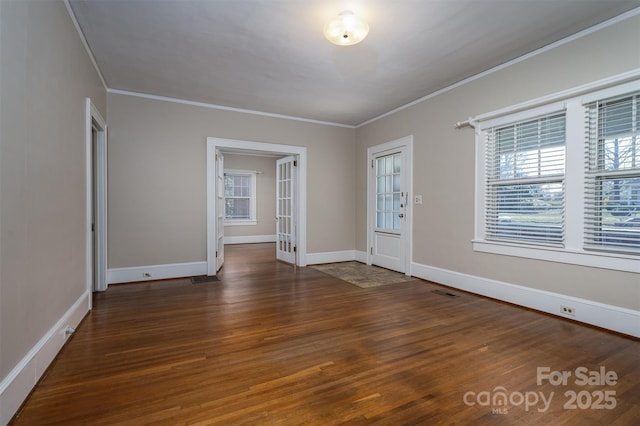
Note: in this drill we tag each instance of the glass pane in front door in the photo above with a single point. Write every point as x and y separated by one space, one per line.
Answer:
388 192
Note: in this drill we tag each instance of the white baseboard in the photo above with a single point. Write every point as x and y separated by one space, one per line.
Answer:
610 317
155 272
336 256
250 239
330 257
15 387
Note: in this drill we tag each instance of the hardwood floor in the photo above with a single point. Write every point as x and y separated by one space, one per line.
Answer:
268 345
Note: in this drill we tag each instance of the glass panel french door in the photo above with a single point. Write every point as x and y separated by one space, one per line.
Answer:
285 209
220 207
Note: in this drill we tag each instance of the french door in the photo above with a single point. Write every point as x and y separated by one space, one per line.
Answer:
389 205
285 209
220 208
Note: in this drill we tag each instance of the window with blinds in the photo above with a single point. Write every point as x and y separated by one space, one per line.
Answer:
239 197
612 193
558 178
525 188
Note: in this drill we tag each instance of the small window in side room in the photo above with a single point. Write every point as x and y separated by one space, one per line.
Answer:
240 197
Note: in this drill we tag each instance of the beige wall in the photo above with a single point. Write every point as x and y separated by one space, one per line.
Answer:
45 77
157 211
265 194
443 225
157 177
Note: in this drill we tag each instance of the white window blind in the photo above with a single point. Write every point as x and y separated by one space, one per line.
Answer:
525 188
612 193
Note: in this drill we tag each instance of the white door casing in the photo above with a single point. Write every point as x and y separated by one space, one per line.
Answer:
300 193
389 205
96 199
285 209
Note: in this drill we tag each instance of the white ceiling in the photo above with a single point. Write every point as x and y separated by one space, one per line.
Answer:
270 55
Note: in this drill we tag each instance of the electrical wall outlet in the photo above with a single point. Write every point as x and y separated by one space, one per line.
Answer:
567 310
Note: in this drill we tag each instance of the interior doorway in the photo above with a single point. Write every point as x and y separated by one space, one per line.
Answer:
389 205
297 188
96 199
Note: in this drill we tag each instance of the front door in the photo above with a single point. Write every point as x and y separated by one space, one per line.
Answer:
388 206
285 209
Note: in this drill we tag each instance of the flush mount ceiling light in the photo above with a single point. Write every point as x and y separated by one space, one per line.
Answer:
346 29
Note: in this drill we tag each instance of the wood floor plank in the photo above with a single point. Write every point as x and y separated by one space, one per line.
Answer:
268 344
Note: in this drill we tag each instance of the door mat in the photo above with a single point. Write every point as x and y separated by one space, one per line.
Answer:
204 279
361 275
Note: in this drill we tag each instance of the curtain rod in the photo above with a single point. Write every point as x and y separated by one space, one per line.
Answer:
626 77
466 123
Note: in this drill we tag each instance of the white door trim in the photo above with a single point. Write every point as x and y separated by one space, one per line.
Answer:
259 147
94 119
407 144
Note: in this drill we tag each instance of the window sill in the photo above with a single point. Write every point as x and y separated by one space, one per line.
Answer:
240 222
613 261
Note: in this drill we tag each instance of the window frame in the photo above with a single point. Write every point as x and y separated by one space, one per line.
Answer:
599 235
574 103
252 198
492 224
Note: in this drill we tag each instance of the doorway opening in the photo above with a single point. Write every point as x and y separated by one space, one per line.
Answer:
389 205
294 202
96 199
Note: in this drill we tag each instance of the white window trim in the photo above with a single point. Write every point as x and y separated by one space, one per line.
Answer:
519 116
252 195
573 101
